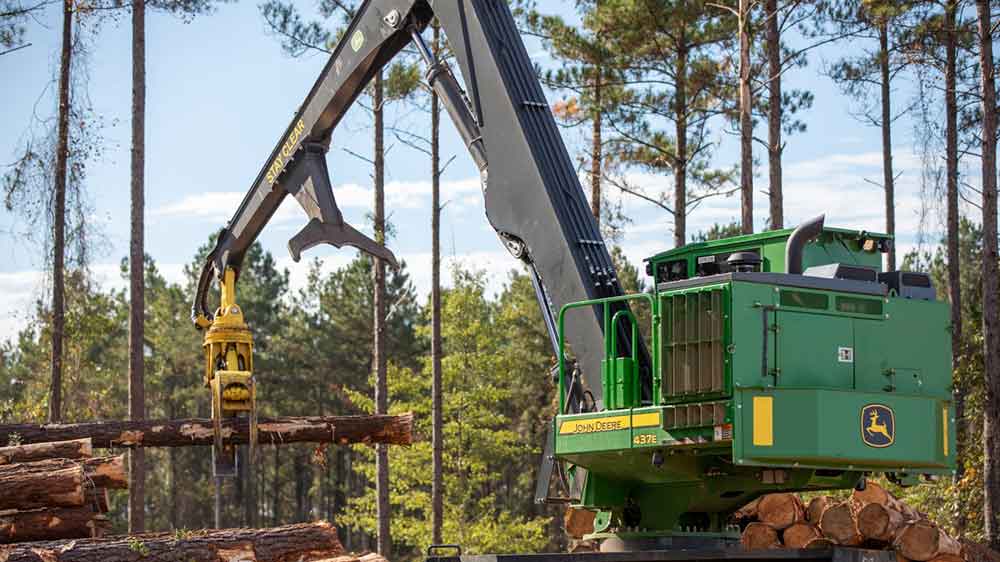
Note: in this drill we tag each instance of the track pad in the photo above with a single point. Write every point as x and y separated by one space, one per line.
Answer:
340 234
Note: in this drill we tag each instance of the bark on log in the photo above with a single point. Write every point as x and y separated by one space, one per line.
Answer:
977 552
307 542
947 558
838 524
879 523
819 544
760 536
48 524
781 510
32 490
873 493
97 500
922 541
578 522
74 449
749 511
799 535
816 508
101 472
342 430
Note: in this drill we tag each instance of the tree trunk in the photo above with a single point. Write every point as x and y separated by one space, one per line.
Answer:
951 172
680 151
437 422
816 508
746 122
781 510
800 534
33 490
879 523
820 543
59 217
759 536
954 264
342 430
379 359
774 147
304 542
74 449
887 175
276 488
48 524
839 525
137 296
101 472
596 148
991 282
923 541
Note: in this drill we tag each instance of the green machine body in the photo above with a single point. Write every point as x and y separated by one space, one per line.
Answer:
767 376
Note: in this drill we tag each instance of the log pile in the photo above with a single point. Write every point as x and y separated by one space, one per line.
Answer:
56 490
870 518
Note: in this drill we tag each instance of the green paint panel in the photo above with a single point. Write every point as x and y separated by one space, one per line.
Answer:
809 350
825 428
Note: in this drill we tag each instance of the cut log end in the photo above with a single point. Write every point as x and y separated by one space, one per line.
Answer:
800 534
816 508
919 541
760 536
781 510
838 524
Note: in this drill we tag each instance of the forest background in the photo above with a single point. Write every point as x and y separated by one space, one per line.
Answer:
223 81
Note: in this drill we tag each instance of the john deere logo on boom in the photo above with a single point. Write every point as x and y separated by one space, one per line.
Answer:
878 425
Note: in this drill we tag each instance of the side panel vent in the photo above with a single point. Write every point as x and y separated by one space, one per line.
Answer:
693 343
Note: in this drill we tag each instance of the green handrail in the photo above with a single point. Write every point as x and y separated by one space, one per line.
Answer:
610 341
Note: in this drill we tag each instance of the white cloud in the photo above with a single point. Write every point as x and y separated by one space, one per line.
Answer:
399 195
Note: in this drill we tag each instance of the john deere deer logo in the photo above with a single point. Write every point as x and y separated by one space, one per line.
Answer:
878 425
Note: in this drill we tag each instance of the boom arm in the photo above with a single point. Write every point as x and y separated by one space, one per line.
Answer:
533 196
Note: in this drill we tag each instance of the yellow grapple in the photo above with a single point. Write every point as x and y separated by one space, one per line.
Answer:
228 349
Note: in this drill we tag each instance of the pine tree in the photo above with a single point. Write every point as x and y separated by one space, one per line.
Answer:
991 277
669 57
587 71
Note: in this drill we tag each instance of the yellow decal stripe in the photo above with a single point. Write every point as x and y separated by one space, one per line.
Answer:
646 420
594 425
944 424
763 421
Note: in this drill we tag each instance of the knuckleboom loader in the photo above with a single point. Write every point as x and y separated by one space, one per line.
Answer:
782 361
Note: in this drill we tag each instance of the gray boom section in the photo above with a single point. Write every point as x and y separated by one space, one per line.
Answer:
533 196
532 191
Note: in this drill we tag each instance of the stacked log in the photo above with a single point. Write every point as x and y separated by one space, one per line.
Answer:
56 490
307 542
870 518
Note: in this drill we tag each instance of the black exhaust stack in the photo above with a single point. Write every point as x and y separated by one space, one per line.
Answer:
801 236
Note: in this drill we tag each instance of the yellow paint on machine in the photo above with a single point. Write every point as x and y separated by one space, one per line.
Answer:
609 423
944 424
648 419
763 421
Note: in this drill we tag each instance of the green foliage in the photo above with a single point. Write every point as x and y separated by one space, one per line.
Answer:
312 356
718 231
944 500
485 382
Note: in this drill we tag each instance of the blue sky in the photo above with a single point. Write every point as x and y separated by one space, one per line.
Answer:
220 92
